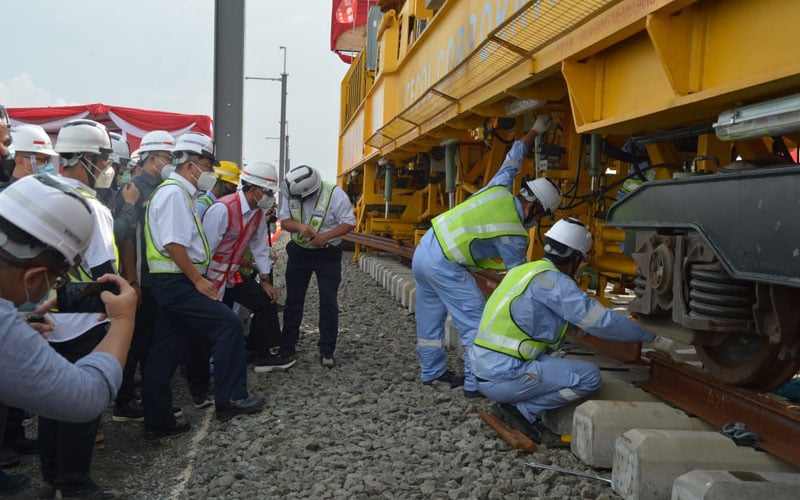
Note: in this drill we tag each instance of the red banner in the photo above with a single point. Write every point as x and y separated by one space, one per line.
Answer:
133 123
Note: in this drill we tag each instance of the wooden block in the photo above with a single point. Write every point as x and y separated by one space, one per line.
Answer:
516 438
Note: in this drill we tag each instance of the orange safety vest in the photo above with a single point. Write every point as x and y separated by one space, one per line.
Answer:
228 256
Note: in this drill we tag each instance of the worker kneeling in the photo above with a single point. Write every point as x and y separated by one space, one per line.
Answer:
525 320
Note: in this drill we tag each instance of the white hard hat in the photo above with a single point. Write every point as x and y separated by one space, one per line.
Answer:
32 139
83 136
121 148
543 190
571 233
261 174
302 181
195 143
51 211
157 140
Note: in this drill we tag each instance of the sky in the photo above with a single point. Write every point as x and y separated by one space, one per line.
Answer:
159 54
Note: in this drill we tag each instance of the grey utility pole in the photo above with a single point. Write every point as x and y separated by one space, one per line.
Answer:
228 92
284 167
283 162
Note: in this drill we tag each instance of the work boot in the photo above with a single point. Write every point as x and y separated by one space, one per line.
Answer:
447 377
509 414
246 406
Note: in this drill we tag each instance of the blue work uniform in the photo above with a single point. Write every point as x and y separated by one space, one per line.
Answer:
549 301
446 286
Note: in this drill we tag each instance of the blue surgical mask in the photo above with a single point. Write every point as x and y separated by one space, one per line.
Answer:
44 168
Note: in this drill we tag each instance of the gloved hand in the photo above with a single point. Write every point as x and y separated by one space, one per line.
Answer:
542 123
666 346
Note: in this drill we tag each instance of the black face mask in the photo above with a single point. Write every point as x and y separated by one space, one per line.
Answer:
6 168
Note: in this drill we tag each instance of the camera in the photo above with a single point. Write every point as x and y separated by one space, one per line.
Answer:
84 297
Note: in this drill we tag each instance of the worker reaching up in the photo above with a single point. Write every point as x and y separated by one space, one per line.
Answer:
178 257
491 223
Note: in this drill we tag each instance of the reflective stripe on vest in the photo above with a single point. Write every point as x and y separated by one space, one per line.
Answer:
498 331
320 210
78 273
205 200
488 214
228 256
159 263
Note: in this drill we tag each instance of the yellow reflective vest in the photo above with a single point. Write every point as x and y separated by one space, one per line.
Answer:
317 217
488 214
78 273
498 331
157 261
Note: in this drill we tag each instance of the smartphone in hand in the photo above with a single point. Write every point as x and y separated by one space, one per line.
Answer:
84 297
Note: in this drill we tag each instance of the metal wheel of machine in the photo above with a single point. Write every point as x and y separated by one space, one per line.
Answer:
745 359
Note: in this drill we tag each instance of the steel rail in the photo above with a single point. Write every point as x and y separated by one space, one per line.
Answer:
624 352
688 388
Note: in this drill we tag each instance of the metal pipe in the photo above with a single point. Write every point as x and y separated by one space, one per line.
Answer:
387 189
450 172
594 159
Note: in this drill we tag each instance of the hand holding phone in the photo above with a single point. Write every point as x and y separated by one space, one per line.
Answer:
84 297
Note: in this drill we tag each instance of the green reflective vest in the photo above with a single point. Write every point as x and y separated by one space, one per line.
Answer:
78 273
498 331
157 261
317 217
488 214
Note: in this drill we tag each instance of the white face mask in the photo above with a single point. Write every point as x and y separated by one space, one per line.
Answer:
167 171
206 180
105 178
266 201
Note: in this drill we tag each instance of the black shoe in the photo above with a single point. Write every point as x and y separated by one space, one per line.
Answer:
509 414
246 406
473 394
13 484
327 361
447 377
128 412
179 427
274 362
25 446
9 457
92 490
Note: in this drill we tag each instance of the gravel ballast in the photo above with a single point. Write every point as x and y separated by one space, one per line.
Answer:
365 429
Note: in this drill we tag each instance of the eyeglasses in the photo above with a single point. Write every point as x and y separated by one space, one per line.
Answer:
166 158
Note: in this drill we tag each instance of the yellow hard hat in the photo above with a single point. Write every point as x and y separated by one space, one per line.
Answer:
228 171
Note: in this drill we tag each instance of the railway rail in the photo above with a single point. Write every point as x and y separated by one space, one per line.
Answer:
772 423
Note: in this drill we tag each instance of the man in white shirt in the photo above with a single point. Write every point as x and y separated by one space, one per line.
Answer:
178 256
66 448
317 213
233 224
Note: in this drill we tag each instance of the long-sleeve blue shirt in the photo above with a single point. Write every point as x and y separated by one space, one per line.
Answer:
33 376
511 249
541 309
